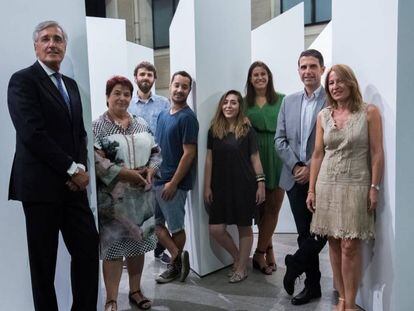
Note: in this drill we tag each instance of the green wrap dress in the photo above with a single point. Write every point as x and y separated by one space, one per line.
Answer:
264 121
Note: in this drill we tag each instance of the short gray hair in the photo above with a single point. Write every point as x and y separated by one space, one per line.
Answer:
47 24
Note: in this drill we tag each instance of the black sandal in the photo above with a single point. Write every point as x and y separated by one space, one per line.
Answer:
111 304
139 304
271 264
257 266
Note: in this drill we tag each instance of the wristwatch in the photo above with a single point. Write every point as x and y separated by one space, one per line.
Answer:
376 187
75 172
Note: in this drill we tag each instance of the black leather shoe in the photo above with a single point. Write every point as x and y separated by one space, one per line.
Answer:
305 296
290 276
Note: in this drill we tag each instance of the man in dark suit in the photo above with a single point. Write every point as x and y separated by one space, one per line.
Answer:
295 140
49 172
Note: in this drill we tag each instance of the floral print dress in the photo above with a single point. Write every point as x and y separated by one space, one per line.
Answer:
126 218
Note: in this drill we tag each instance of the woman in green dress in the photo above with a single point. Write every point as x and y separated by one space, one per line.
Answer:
262 105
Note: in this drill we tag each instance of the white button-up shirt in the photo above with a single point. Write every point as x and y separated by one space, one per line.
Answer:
307 111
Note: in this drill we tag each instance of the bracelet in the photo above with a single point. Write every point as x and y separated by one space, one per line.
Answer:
310 191
260 177
376 187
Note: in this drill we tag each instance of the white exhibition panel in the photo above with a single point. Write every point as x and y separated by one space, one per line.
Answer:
279 49
22 16
182 43
135 54
107 55
216 53
368 45
323 43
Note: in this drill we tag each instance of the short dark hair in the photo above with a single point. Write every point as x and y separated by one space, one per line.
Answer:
146 65
110 84
184 74
313 53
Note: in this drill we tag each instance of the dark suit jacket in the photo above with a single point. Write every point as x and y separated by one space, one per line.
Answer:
48 138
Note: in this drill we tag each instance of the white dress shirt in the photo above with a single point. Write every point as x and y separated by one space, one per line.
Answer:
307 111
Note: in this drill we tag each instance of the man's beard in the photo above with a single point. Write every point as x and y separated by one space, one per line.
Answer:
145 87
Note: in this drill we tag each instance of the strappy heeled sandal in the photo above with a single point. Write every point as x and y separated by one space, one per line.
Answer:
265 269
140 304
111 305
271 264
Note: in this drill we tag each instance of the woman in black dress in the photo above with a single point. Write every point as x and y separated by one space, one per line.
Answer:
234 183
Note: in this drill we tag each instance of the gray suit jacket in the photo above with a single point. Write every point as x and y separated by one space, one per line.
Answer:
288 132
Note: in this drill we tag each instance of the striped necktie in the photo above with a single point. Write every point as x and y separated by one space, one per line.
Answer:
62 92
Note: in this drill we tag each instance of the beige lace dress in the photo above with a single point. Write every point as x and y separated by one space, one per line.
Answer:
344 180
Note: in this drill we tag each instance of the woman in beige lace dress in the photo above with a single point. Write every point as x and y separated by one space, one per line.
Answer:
346 170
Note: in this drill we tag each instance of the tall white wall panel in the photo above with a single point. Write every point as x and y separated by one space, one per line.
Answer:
215 50
182 43
20 17
280 49
364 35
278 43
107 57
323 43
110 54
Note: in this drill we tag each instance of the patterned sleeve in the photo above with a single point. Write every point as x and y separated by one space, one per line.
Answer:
155 157
106 170
96 125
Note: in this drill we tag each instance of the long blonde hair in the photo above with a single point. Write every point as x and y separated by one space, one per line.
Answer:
346 74
220 127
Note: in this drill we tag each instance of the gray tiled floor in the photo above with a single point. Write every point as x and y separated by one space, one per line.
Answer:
214 293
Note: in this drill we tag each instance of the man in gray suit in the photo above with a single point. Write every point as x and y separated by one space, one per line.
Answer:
294 141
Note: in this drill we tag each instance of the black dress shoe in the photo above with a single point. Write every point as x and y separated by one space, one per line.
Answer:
291 274
305 296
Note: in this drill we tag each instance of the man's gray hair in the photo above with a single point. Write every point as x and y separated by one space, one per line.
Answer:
47 24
